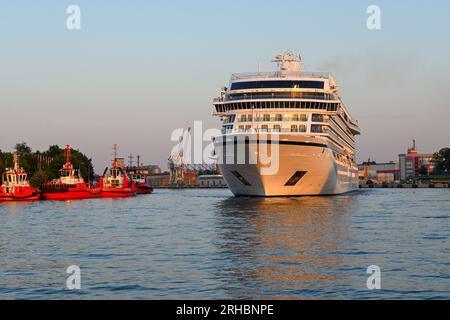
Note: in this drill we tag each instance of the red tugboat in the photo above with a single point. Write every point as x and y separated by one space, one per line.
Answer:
115 182
70 185
142 186
15 186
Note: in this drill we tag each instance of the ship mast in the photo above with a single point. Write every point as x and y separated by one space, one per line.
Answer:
68 165
130 161
114 164
16 161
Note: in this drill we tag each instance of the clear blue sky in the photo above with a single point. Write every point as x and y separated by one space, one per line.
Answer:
139 69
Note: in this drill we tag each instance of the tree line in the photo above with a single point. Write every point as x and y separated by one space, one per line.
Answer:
43 166
441 161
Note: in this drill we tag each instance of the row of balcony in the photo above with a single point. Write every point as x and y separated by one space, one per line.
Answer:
280 117
279 129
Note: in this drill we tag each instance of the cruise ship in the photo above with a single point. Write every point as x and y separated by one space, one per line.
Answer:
285 133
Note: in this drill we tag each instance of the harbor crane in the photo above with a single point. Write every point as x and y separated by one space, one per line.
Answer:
176 161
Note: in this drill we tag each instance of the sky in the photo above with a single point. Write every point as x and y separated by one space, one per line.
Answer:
137 70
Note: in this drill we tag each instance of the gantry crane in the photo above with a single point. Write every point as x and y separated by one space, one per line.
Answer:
176 161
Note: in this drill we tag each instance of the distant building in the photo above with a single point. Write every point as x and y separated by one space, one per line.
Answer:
144 170
163 179
158 179
214 181
410 163
379 172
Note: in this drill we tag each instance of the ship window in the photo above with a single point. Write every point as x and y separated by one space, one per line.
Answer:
248 127
294 128
317 117
302 128
316 128
295 178
266 117
278 117
277 84
249 118
243 118
264 128
303 117
295 117
277 128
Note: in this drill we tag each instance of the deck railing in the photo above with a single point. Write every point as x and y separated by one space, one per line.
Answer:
266 96
279 74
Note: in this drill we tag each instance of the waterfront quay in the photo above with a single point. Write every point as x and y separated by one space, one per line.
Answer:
406 185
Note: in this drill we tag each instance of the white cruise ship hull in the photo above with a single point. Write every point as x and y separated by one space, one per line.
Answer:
308 159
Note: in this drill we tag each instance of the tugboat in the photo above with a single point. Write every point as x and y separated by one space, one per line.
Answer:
15 186
142 186
115 182
70 185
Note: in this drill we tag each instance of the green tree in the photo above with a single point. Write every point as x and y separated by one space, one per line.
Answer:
78 160
29 161
5 161
441 160
53 151
22 149
423 171
39 178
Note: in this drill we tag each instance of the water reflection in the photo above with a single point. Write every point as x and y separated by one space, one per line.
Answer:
280 247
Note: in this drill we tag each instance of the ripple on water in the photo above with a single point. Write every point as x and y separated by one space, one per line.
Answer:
205 244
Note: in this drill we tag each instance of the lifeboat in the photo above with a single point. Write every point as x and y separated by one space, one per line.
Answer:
115 183
142 186
70 185
15 186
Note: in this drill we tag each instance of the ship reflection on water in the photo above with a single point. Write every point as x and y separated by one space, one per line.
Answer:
282 247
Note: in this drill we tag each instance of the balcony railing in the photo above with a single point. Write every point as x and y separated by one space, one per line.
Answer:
267 96
279 74
283 130
272 119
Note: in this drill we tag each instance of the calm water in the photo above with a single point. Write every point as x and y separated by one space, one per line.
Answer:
206 244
